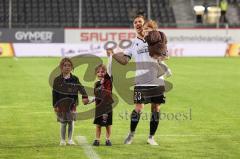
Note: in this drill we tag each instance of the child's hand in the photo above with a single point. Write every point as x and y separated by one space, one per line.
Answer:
85 101
91 100
56 109
109 52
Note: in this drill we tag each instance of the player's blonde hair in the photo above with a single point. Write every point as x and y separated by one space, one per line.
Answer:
151 24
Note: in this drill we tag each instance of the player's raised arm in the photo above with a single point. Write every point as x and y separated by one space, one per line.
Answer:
120 57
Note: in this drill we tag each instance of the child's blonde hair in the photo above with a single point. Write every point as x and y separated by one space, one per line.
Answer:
101 66
65 59
151 24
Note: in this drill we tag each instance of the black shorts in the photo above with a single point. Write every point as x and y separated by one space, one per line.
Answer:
149 94
103 120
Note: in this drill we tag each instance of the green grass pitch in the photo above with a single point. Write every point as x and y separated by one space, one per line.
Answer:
208 87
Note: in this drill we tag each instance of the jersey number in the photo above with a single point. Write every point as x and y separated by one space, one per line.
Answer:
138 95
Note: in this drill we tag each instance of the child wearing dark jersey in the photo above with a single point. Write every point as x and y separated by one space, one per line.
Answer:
103 101
65 91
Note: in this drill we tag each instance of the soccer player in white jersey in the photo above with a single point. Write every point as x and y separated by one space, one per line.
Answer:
148 87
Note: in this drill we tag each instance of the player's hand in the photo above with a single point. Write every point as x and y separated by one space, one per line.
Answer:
56 109
85 101
109 52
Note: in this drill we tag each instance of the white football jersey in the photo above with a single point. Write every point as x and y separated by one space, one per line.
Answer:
147 68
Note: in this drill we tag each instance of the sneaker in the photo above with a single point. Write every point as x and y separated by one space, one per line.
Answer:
108 143
62 143
151 141
71 142
96 143
129 138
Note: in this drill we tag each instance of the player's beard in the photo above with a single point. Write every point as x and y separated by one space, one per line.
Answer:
139 32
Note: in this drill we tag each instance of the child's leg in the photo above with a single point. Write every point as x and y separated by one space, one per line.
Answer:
98 132
108 132
70 130
165 68
163 65
63 131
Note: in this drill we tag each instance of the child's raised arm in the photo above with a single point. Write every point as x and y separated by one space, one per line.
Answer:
109 66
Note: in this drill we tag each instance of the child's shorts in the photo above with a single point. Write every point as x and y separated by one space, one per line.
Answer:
104 119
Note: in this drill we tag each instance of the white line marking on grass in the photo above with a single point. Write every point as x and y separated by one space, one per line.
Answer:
15 58
186 135
189 135
82 141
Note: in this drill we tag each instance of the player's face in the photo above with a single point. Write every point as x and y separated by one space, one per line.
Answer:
67 67
101 73
146 30
138 25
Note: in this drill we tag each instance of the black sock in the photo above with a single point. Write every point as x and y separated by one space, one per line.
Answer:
154 122
135 116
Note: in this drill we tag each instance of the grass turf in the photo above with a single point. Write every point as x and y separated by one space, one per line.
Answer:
208 87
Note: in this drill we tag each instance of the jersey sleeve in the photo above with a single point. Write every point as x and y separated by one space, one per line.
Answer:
129 51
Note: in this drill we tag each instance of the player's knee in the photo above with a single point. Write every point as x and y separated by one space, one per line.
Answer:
155 108
139 108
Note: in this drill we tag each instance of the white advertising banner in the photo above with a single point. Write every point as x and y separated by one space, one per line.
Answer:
173 35
202 35
197 50
70 50
57 50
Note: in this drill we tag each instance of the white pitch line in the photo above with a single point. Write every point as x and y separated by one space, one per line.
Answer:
91 154
187 135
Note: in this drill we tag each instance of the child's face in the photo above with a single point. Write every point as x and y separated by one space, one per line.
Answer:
67 67
146 30
101 73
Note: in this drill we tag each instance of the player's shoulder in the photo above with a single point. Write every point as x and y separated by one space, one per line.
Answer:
136 42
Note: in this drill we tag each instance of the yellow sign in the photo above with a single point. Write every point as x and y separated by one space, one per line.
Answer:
6 50
233 50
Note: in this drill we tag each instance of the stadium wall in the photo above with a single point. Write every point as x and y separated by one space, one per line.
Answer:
72 42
